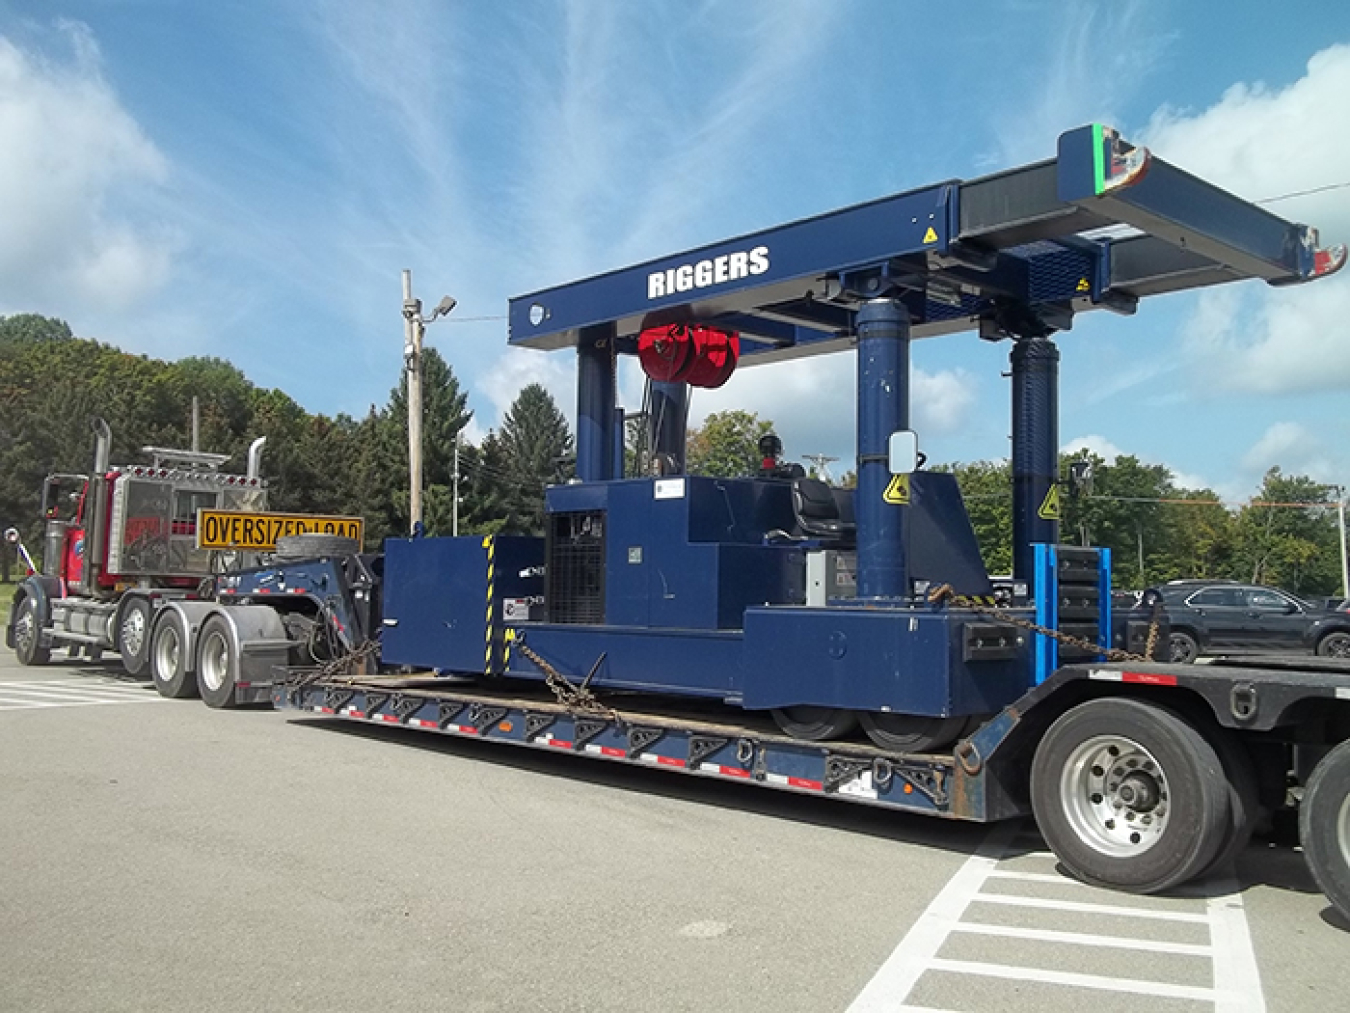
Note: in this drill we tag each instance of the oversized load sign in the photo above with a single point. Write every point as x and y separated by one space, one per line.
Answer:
258 532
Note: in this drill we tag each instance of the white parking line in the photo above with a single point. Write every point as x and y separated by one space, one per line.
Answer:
34 695
1235 983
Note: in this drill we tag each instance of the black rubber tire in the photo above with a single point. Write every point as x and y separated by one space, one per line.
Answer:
815 724
1324 826
1182 648
1335 644
28 634
216 663
1196 795
911 733
1244 796
134 620
169 658
312 546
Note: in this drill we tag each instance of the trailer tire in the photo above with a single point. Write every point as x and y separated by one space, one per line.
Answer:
1244 796
1182 647
912 733
27 634
169 658
134 620
1119 757
217 662
312 545
1324 826
815 724
1334 645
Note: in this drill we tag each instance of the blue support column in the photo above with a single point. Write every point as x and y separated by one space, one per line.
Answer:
883 407
595 403
1035 451
669 412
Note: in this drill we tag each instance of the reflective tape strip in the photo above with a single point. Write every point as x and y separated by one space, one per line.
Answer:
717 768
423 723
1142 678
661 761
605 751
1343 692
794 782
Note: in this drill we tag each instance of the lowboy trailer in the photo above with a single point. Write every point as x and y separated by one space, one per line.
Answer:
748 628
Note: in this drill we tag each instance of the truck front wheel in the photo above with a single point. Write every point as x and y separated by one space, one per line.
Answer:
217 663
28 634
1129 796
1324 826
133 634
169 658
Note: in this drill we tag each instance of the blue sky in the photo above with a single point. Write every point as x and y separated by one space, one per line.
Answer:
248 179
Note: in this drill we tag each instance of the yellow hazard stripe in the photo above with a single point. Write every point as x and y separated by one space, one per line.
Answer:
490 544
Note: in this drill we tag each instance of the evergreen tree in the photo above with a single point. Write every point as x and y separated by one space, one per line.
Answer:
536 445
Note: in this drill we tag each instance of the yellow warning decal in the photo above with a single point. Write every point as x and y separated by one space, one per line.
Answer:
1049 509
897 492
255 532
931 235
1083 285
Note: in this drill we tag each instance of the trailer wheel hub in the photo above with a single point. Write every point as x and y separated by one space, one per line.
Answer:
1115 795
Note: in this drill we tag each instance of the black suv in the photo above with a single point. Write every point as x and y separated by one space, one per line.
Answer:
1225 617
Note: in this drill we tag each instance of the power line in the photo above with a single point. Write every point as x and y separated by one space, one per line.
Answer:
1305 193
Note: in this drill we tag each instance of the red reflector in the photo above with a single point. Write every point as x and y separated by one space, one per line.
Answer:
735 772
390 718
1149 678
670 761
560 743
611 751
801 782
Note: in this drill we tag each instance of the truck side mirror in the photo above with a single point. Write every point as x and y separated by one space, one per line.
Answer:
903 452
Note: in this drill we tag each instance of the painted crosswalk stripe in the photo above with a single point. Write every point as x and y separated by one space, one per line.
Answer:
46 695
1234 984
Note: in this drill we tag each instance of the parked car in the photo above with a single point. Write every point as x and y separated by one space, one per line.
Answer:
1225 617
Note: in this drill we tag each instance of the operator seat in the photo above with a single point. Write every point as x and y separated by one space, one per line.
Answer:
817 513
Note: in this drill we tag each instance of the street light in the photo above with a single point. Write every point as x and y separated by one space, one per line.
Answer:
1345 559
414 326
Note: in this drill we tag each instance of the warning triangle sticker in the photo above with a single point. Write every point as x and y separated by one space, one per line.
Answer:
931 235
1083 285
1049 509
897 493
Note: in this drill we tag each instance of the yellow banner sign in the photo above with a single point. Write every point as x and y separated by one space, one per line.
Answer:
255 532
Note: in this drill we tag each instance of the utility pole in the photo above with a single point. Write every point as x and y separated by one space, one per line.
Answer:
414 327
1345 560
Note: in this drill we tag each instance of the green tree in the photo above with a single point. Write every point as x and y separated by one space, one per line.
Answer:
986 487
1292 547
536 445
726 445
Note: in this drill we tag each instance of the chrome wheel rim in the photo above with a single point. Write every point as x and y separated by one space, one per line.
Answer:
168 650
215 660
1115 796
24 627
1343 831
133 631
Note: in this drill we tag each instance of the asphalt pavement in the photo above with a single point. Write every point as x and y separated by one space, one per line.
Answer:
157 855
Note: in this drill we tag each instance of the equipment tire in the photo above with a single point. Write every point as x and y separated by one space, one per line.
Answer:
311 546
815 724
1115 756
169 657
1334 645
28 634
1182 648
1324 826
912 733
134 619
217 660
1244 796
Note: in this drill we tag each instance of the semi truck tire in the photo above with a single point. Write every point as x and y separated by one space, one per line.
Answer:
815 724
310 546
133 633
910 733
1129 796
169 646
1324 826
28 634
1244 796
217 663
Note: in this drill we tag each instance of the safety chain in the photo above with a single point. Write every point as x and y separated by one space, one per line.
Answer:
349 664
574 698
945 593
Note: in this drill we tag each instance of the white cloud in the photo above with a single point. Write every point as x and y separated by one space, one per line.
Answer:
519 367
1094 444
73 162
1294 449
1263 142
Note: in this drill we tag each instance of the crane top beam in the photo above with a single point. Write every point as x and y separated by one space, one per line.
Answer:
1017 253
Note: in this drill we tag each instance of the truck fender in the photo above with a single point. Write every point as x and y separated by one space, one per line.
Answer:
192 614
259 640
41 589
